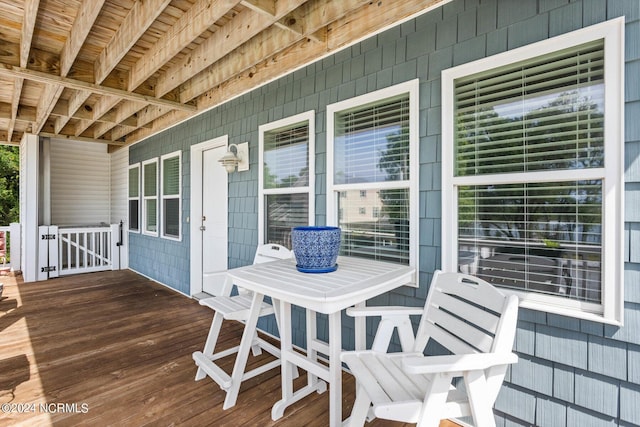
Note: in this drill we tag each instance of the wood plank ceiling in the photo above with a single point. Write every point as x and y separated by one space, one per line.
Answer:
117 71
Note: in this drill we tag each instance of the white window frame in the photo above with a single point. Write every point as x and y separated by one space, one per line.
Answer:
178 196
309 117
138 198
144 199
333 190
612 308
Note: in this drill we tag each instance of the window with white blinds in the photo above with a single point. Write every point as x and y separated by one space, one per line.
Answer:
150 196
171 195
543 114
286 177
372 183
134 198
533 159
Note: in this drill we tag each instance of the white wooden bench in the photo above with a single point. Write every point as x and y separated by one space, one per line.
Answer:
469 317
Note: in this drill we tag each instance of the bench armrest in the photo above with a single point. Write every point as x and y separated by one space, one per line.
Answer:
456 362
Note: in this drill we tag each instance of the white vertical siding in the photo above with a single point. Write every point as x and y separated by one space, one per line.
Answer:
119 185
80 183
29 155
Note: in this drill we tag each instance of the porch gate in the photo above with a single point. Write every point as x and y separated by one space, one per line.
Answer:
74 250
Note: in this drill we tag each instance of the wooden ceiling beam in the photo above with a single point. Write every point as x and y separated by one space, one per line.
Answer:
269 42
24 114
200 17
89 10
102 107
358 24
15 103
236 32
134 25
28 26
265 7
48 100
17 72
79 138
124 116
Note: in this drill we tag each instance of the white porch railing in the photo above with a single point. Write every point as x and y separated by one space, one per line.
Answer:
75 250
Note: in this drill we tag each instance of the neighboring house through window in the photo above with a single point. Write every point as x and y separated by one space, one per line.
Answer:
134 198
286 177
532 172
150 197
171 195
372 159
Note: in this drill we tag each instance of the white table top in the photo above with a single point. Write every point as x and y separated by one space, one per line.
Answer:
355 280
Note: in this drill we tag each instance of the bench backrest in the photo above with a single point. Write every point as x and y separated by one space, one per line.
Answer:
466 314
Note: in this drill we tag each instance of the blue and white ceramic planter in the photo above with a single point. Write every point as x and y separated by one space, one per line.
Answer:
316 248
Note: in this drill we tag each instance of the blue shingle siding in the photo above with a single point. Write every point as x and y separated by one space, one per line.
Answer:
562 346
550 412
581 417
597 393
564 379
633 365
629 404
571 372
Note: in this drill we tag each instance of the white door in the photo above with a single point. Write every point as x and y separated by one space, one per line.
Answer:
208 217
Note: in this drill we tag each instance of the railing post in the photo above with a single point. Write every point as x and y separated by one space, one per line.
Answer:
15 250
47 252
54 258
114 246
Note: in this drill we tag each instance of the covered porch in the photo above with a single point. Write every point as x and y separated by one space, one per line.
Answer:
113 347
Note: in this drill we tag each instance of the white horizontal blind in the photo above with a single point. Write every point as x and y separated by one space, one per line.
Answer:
171 176
150 195
171 196
286 157
542 114
286 181
134 198
150 179
371 147
545 114
372 143
527 236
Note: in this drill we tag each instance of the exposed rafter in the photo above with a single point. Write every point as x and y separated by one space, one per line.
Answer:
118 71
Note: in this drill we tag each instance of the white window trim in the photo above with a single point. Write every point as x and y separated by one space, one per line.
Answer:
139 198
144 198
611 311
177 154
333 190
309 117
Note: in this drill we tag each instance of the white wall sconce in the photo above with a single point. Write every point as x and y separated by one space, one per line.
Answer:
239 159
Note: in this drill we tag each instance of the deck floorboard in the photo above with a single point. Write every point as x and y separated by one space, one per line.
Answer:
118 346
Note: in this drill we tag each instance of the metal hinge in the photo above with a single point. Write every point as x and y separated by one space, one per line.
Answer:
48 269
48 237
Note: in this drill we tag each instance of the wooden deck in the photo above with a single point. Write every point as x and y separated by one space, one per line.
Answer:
115 348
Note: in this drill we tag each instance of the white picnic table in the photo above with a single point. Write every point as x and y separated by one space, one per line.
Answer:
354 282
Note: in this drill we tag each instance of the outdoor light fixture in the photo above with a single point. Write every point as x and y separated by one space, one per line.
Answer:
239 159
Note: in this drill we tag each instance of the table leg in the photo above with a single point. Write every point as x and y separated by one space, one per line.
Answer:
286 346
335 369
360 327
289 358
312 353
